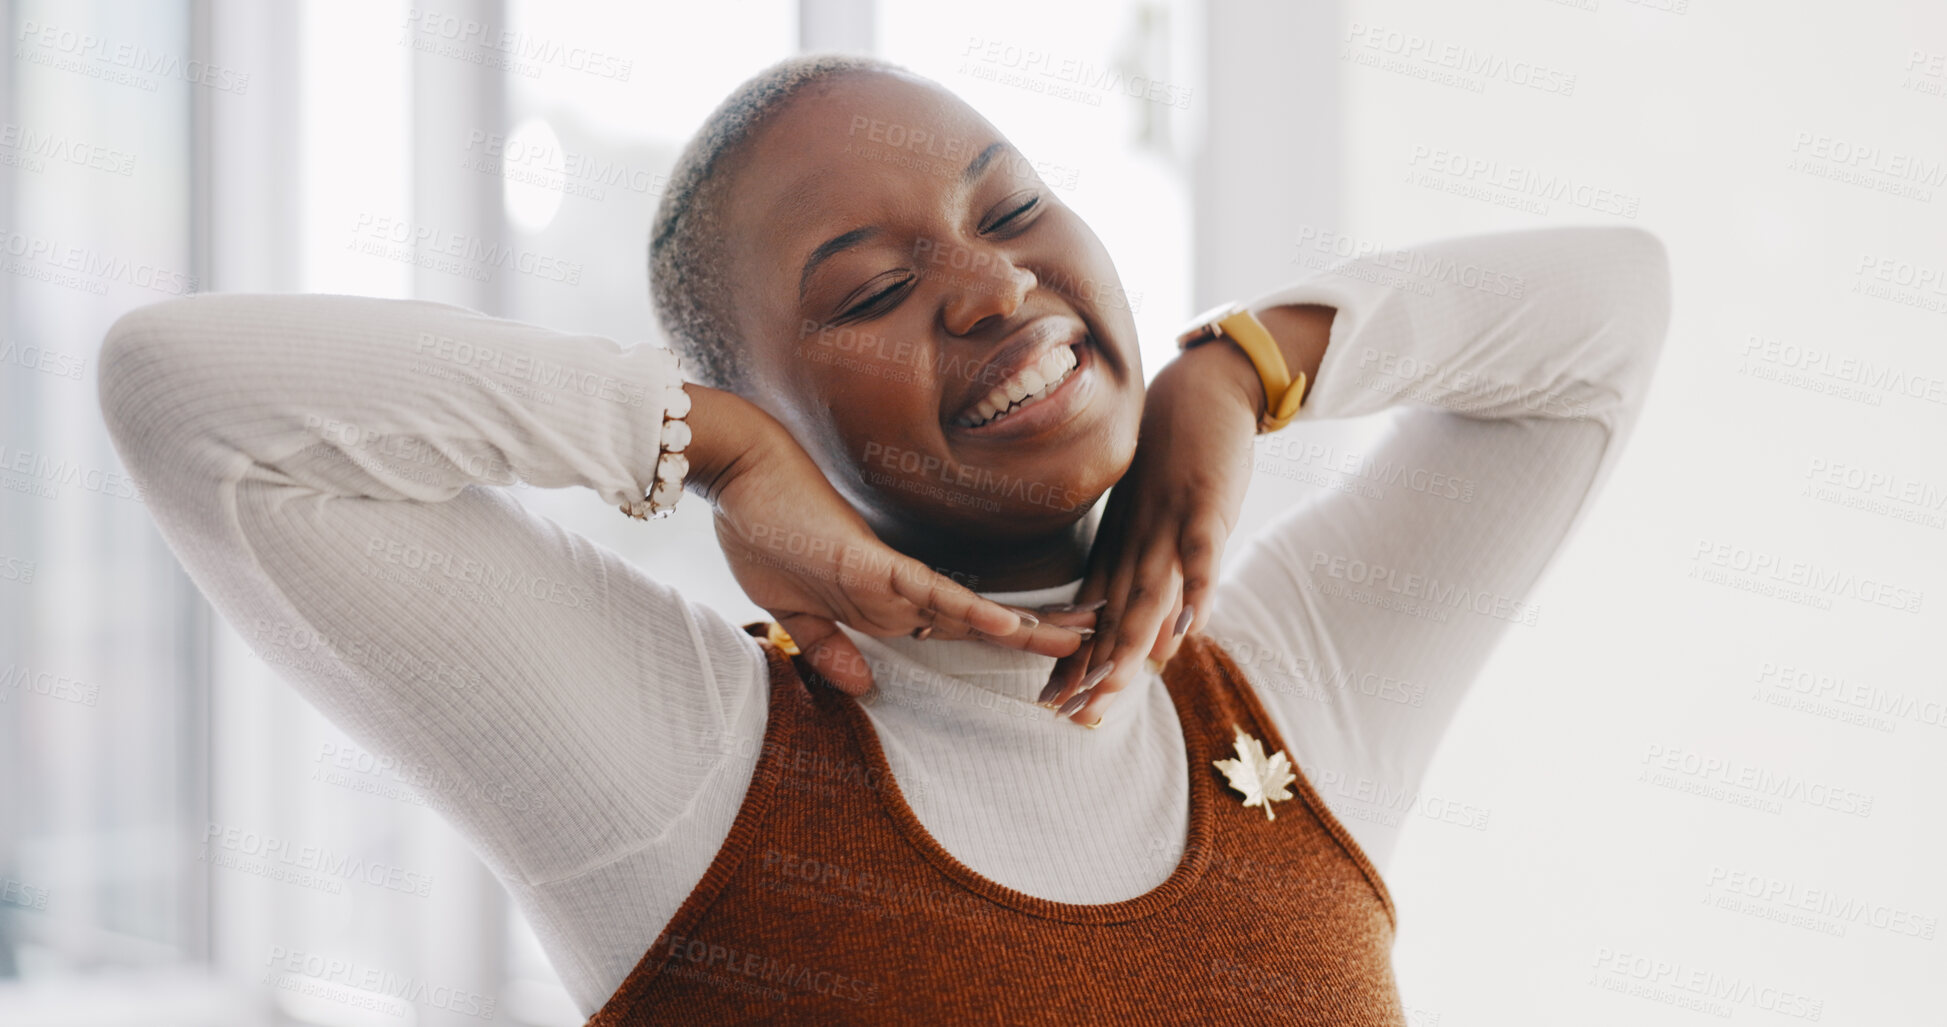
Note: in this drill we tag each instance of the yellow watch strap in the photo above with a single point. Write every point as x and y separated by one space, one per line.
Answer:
1282 395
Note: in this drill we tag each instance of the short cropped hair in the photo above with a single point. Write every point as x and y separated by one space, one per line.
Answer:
688 279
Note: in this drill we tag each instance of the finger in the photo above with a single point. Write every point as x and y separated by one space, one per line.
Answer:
1070 618
1171 636
930 590
1202 554
828 651
1151 597
1043 639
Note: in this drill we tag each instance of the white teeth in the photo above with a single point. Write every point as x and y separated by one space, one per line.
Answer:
1027 386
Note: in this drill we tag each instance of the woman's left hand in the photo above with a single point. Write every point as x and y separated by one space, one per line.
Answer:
1161 542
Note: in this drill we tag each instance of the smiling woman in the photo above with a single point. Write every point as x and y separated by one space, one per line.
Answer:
907 372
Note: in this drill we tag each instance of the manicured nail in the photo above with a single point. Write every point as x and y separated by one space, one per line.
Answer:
1091 727
1028 620
1095 676
1080 700
1183 620
1048 694
1086 633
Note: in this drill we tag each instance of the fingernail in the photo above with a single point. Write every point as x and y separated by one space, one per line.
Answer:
1086 633
1080 700
1088 607
1028 620
1048 694
1095 676
1056 608
1091 727
1183 620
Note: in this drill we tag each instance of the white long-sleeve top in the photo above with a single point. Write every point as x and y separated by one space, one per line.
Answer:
325 468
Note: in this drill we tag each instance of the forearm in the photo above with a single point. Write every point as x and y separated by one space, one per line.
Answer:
385 399
1547 323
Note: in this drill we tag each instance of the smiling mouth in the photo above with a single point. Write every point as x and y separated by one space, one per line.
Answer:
1023 389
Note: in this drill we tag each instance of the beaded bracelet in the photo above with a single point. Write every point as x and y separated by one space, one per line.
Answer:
671 465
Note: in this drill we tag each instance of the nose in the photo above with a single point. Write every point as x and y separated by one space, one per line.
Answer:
974 299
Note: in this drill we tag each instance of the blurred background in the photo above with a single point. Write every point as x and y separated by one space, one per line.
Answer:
1793 156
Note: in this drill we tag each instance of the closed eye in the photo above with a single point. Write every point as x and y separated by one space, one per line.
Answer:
880 295
1017 216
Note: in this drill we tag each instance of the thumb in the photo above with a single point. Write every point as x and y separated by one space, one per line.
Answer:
828 651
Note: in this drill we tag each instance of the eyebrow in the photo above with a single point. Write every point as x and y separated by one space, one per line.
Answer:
980 162
830 248
840 243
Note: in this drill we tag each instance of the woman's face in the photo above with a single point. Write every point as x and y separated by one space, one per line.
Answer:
944 336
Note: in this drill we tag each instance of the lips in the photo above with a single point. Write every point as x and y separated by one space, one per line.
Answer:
1024 388
1040 357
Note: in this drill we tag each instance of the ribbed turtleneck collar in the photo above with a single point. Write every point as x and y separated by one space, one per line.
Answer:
1008 672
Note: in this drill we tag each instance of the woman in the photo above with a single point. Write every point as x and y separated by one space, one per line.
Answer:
908 370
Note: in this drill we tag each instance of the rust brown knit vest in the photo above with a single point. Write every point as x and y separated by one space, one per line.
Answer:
829 903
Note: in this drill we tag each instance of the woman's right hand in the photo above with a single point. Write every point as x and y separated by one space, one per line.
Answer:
800 551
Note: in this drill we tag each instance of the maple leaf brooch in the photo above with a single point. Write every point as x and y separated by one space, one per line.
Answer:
1261 780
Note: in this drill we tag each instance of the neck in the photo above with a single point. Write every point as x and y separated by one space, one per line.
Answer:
1011 565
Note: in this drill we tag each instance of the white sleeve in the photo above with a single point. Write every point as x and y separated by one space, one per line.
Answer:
1515 365
322 466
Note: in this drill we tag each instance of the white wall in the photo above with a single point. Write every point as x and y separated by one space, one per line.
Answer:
1782 151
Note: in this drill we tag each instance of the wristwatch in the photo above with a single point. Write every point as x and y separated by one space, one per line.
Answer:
1235 322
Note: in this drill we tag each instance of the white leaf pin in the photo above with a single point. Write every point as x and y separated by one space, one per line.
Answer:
1261 780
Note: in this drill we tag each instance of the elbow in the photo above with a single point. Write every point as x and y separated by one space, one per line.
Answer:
133 368
1630 308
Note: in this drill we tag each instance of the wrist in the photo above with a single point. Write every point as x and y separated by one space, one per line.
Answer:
729 435
1223 364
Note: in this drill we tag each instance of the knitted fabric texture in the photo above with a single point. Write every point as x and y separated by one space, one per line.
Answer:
830 903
